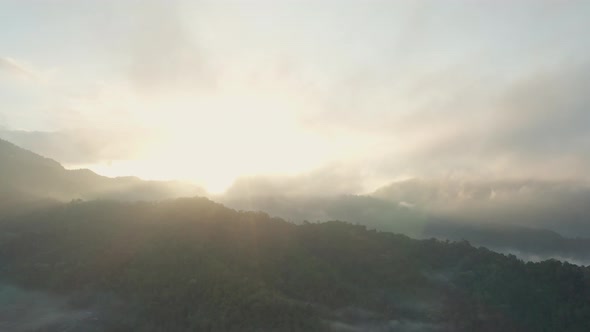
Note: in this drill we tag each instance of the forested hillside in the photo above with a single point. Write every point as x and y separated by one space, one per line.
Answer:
527 242
195 265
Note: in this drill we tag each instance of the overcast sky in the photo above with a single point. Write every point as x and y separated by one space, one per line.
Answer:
366 91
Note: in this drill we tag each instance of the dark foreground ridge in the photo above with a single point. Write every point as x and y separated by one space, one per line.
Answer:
195 265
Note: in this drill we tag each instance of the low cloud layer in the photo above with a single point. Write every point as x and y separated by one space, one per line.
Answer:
324 182
79 147
561 206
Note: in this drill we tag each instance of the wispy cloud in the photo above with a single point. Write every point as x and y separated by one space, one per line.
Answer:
21 69
164 52
83 146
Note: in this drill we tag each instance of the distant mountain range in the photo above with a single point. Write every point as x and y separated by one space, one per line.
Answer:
527 218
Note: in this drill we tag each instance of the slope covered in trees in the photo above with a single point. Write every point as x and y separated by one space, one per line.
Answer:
195 265
527 242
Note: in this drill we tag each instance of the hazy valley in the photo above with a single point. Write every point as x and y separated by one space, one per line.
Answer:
73 262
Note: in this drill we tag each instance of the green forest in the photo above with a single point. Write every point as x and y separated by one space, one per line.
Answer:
194 265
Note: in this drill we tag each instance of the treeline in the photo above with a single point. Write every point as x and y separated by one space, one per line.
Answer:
195 265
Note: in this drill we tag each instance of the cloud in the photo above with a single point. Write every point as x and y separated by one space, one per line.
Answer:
82 146
164 52
494 107
537 126
532 125
20 69
561 206
336 179
471 97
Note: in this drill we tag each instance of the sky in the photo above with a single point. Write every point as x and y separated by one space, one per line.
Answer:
357 92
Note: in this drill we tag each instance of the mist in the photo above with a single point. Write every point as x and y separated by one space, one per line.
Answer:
295 165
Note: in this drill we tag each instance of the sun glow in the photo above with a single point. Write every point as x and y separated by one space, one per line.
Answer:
212 140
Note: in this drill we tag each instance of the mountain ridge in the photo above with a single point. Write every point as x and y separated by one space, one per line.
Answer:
35 177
